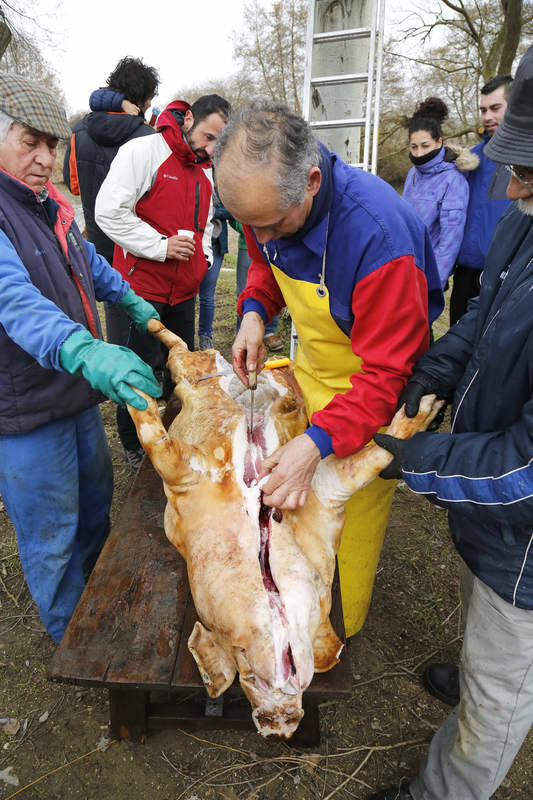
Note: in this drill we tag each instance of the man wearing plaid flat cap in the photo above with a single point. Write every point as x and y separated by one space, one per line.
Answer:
482 473
55 468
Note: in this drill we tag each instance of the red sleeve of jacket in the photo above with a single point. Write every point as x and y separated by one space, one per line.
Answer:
261 284
390 333
74 184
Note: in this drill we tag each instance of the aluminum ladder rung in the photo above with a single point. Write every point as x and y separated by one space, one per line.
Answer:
338 80
342 35
338 123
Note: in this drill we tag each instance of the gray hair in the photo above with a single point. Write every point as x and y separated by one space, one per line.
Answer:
6 123
274 136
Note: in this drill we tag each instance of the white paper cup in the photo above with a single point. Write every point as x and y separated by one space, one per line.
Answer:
183 232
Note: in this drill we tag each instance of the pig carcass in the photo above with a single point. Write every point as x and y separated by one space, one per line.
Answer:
260 578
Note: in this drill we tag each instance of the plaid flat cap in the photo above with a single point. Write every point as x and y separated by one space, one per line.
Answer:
33 105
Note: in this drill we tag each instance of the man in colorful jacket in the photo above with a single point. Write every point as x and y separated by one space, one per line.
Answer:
353 263
487 201
482 473
117 115
56 478
156 205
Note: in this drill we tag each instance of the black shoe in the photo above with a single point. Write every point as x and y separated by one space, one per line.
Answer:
398 792
442 681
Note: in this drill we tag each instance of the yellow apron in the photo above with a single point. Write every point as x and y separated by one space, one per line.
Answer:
323 365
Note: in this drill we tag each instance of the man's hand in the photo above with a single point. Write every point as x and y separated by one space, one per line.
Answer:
180 247
130 108
411 396
394 446
291 470
248 349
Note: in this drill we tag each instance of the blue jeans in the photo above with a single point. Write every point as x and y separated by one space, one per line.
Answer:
207 296
243 263
57 483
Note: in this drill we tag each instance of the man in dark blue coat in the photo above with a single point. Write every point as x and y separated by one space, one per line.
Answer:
487 201
482 473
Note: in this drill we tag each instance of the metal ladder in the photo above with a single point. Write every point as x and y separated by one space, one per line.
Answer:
342 83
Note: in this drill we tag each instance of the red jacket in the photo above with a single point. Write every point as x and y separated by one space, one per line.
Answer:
154 188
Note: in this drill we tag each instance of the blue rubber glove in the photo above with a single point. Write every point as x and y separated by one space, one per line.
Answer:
138 309
109 368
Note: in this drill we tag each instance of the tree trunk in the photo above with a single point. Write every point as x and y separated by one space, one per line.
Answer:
512 28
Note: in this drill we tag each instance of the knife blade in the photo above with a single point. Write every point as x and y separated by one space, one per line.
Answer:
252 384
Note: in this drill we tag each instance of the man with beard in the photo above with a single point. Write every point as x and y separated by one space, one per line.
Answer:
487 200
156 205
482 473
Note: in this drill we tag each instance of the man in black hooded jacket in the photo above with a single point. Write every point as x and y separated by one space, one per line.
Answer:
97 137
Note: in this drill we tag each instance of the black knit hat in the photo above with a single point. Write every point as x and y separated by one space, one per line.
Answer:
513 141
32 105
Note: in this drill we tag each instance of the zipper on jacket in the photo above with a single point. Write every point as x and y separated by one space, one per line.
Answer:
516 289
197 208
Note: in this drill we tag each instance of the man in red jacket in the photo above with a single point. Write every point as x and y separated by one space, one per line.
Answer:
156 205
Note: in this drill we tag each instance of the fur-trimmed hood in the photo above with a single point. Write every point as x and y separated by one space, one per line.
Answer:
465 160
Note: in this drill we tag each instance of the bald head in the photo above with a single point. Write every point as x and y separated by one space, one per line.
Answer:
267 167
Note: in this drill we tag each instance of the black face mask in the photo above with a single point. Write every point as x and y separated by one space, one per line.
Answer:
416 160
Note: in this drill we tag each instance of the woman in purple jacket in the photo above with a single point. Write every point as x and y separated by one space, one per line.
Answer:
434 185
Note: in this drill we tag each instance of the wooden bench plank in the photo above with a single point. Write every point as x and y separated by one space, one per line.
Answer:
127 626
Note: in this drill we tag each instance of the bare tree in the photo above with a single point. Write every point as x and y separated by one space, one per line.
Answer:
271 50
22 33
477 38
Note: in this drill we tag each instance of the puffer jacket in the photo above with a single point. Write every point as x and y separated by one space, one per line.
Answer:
93 145
487 202
50 280
154 188
438 191
482 471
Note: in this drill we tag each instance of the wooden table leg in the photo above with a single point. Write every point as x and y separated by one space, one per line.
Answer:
128 713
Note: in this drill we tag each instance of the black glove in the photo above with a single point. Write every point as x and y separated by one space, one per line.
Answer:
411 396
394 446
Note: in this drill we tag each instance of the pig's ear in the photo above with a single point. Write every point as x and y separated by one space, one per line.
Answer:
216 667
170 459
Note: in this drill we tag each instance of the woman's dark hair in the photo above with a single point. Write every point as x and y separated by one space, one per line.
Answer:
137 82
429 116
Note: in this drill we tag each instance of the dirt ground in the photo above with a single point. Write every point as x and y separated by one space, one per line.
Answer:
55 741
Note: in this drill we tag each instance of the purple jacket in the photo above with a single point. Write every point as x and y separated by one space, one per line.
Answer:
439 194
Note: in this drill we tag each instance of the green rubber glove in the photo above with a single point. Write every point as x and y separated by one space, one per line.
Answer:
138 309
109 368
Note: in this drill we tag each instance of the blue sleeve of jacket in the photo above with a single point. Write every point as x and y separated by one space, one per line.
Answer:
452 218
106 100
108 282
32 321
443 365
223 213
486 476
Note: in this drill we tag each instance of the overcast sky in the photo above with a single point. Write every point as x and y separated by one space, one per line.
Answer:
190 42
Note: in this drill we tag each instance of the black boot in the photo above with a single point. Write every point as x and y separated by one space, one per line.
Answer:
398 792
442 681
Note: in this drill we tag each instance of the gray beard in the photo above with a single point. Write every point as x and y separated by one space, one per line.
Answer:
525 206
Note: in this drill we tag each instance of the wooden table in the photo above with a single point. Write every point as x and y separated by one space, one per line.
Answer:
130 629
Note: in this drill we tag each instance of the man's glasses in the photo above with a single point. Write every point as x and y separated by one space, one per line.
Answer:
520 176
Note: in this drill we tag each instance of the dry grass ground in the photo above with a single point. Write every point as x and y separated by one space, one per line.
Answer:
57 746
